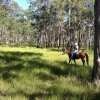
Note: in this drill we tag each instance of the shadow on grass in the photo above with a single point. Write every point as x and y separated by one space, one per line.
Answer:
79 71
96 96
38 95
13 61
26 61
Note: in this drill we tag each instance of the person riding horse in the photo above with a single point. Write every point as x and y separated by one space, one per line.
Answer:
74 54
74 51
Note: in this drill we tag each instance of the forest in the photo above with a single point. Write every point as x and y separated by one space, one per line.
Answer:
45 23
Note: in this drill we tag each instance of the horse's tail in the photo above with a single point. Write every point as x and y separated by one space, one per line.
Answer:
87 58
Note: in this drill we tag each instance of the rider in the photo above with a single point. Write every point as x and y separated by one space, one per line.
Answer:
76 48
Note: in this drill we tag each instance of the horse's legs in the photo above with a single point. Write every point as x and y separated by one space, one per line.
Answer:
69 60
83 61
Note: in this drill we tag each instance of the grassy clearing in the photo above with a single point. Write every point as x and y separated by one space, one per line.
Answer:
43 74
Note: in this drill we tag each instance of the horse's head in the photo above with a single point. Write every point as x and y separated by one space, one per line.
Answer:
66 51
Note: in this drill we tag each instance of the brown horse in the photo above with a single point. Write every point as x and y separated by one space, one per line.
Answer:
81 55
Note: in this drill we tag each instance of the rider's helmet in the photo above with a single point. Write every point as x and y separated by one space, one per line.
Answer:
76 44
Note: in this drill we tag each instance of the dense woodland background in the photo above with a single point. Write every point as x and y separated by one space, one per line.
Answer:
47 23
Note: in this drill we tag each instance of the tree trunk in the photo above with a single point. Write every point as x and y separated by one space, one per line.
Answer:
79 40
63 39
96 67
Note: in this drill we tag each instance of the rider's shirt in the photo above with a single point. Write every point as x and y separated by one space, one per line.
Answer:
76 48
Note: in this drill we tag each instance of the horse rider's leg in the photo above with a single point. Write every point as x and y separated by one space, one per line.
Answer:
75 61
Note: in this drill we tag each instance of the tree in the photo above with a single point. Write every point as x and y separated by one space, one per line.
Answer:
96 67
4 4
55 23
79 17
48 18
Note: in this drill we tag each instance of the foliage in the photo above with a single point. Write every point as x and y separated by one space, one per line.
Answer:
63 21
14 27
50 23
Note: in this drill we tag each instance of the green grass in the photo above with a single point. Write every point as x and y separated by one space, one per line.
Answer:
43 74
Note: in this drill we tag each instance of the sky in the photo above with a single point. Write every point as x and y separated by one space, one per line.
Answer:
22 3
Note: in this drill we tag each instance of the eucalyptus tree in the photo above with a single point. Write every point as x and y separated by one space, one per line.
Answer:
48 18
79 16
5 4
88 22
96 67
3 20
60 21
15 29
73 9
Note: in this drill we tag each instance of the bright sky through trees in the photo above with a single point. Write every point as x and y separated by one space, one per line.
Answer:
22 3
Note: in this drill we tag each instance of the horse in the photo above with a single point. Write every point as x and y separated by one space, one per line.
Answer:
80 55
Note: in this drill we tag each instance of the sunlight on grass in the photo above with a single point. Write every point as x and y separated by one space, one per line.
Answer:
28 73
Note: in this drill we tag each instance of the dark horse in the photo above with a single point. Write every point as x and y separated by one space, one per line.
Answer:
81 55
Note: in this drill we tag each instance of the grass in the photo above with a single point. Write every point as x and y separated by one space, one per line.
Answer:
43 74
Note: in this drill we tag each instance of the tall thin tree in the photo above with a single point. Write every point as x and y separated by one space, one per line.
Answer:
96 67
